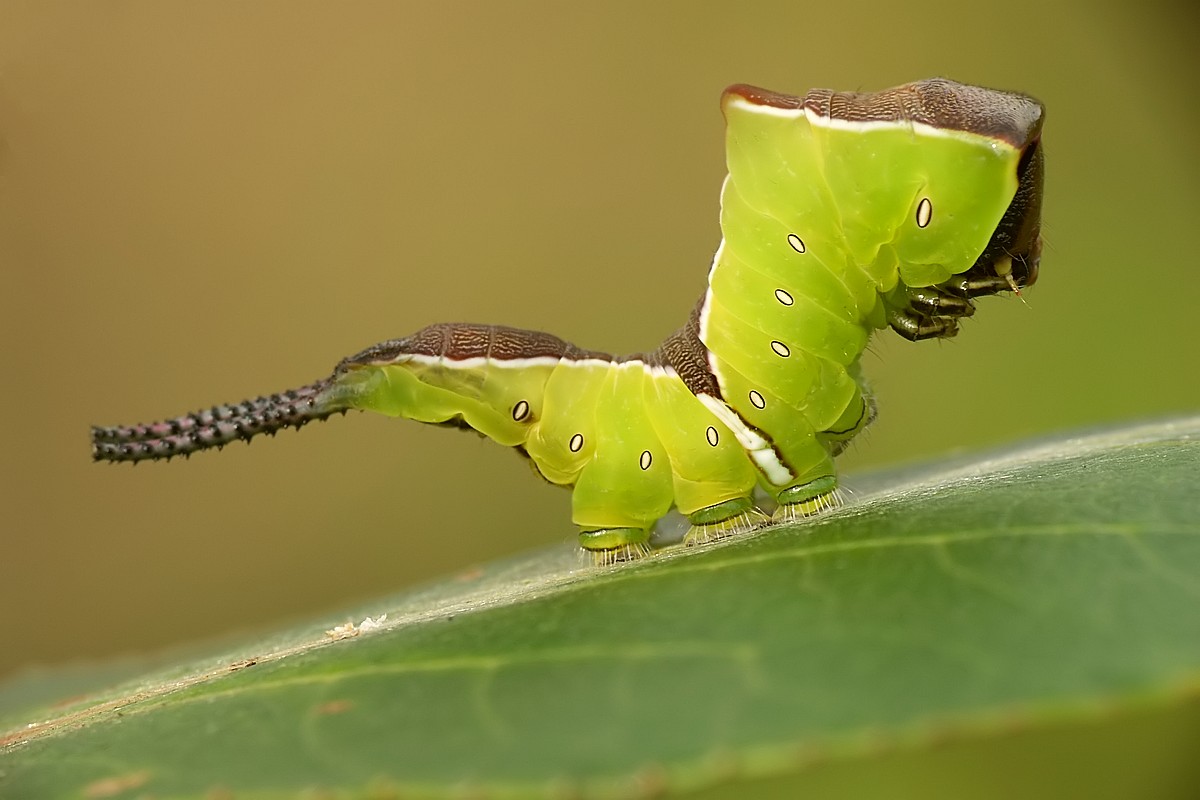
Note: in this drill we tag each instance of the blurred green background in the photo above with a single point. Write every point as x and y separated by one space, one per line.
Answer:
200 202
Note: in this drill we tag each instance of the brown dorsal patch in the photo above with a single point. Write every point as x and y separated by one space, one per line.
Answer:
458 341
687 355
937 102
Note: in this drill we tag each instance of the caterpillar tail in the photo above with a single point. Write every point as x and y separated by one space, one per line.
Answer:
218 426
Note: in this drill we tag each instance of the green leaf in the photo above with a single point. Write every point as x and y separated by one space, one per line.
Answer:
1054 590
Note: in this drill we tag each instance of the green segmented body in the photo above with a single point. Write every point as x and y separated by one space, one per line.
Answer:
841 214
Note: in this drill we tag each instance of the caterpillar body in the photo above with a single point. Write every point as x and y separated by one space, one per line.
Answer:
842 213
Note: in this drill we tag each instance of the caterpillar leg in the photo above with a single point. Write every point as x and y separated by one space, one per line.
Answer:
807 499
930 312
731 518
614 545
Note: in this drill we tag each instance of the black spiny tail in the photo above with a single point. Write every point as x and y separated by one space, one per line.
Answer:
215 427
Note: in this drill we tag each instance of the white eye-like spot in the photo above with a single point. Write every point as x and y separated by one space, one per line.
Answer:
711 435
644 461
783 297
576 443
796 242
520 410
924 212
757 399
781 349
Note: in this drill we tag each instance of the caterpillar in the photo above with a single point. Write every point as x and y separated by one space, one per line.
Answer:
842 213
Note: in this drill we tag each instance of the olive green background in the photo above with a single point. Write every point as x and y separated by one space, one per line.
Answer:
204 201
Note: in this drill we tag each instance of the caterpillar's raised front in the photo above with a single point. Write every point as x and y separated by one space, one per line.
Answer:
842 213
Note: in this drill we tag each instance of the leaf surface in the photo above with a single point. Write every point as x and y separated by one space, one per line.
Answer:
1051 584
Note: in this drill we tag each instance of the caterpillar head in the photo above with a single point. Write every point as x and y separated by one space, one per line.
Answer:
945 177
1010 260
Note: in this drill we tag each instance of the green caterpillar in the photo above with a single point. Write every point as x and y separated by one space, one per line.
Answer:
842 213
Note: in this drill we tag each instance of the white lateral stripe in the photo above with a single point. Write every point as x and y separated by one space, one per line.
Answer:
768 462
509 363
765 110
748 439
705 306
655 372
761 452
705 310
920 128
476 362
